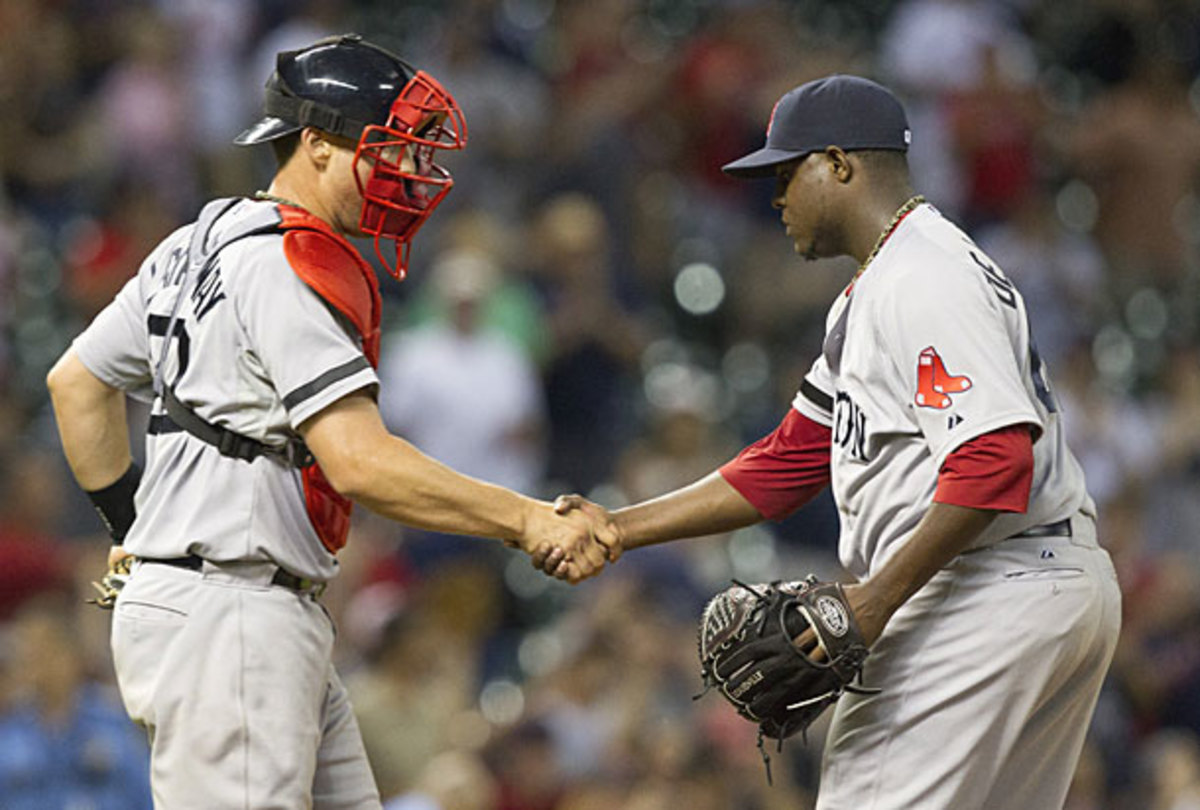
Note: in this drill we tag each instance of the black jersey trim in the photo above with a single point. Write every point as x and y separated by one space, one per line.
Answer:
816 396
324 381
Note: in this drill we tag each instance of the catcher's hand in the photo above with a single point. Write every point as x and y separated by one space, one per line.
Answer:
748 650
110 585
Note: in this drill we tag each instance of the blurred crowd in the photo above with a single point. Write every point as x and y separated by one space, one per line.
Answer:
597 309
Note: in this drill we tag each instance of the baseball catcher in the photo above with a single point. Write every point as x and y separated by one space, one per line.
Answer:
754 648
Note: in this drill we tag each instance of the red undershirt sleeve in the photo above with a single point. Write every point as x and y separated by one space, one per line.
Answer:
993 471
783 470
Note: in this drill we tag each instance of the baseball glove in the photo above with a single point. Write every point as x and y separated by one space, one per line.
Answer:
110 585
747 650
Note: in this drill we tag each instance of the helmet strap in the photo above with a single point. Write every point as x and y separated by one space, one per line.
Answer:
307 113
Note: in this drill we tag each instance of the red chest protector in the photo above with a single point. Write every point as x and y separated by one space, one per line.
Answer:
331 266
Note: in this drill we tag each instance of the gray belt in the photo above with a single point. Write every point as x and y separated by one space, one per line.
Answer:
1061 528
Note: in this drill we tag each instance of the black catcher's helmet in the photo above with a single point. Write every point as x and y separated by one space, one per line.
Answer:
338 85
398 115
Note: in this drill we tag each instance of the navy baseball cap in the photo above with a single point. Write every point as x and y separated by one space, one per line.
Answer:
846 111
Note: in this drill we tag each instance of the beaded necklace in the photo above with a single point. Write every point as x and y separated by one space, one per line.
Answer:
263 195
900 214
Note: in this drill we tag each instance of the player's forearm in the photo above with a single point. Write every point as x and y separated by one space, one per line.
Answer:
401 483
91 423
709 506
387 475
941 535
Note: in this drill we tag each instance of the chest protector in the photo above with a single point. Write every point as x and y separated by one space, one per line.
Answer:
329 265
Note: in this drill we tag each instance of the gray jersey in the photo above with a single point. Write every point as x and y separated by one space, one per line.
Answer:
930 348
256 351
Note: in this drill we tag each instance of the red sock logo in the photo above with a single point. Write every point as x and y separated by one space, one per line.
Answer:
934 382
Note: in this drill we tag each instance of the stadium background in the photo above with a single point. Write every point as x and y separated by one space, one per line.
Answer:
597 309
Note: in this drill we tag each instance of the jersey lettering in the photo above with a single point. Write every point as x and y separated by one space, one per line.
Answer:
849 427
934 383
208 291
175 265
1004 288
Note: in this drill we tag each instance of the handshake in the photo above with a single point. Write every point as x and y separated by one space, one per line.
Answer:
570 539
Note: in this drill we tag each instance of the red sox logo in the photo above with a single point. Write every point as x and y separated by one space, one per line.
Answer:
934 383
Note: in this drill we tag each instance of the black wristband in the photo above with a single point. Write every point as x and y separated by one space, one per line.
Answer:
114 503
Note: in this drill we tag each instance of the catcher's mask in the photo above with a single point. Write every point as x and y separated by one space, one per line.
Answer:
400 118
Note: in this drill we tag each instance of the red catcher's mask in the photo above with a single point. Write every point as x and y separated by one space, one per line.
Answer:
405 183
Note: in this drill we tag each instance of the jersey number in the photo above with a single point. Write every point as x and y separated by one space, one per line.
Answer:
1007 293
1037 371
158 328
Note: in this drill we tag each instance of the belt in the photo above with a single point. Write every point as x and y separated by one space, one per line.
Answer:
284 579
1061 528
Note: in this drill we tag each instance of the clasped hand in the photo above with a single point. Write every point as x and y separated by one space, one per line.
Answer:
571 539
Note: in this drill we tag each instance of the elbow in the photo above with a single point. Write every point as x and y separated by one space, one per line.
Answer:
62 378
352 447
349 476
55 378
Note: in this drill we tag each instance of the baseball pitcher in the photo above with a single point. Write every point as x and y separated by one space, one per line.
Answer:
966 656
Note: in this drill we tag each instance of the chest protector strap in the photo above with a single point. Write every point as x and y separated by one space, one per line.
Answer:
328 264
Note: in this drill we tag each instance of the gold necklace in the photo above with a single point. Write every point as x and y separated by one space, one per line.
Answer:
263 195
900 214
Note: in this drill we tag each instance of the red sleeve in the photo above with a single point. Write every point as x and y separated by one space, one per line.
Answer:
783 470
992 471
